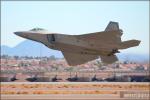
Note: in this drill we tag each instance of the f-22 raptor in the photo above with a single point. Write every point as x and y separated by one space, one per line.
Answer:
79 49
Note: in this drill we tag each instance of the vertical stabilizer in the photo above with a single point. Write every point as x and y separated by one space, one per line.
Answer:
112 26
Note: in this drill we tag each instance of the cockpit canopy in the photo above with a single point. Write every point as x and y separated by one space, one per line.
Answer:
38 29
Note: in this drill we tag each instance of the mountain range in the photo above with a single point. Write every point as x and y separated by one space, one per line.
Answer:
31 48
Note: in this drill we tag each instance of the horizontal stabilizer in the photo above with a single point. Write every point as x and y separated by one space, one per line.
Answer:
77 59
109 59
130 43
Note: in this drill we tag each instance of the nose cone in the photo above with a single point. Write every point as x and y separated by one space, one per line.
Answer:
30 35
17 33
21 34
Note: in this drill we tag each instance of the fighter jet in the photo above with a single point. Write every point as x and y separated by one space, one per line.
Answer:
79 49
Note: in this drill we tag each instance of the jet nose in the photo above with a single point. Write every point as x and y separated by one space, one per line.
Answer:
21 34
18 33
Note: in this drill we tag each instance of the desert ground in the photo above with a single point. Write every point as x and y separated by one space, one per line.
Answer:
40 79
74 91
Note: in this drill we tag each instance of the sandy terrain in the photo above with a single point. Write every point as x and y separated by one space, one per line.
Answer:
74 91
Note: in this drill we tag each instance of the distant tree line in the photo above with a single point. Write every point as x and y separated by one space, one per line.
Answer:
28 57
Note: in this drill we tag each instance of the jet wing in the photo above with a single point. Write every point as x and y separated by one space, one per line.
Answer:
109 59
110 37
77 59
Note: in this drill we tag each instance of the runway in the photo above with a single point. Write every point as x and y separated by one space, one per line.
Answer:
66 97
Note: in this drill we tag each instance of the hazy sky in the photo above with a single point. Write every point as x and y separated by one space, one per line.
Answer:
76 17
